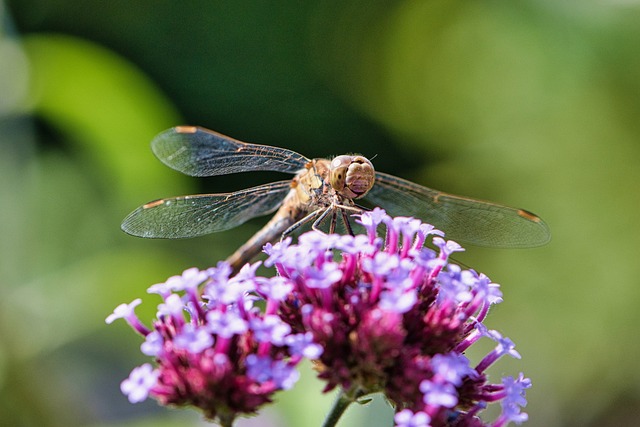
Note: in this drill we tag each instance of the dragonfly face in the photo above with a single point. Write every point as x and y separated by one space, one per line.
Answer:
320 187
351 176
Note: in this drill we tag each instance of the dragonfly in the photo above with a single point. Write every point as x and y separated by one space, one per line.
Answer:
321 190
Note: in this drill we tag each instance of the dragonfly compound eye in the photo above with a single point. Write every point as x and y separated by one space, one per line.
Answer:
351 176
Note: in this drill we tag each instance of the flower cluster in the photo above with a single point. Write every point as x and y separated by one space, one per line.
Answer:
376 314
214 347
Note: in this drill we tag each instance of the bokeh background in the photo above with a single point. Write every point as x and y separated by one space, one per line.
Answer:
532 103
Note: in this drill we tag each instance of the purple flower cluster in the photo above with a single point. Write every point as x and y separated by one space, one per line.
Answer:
214 348
395 317
376 314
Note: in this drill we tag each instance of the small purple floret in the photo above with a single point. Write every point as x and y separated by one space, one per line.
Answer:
406 418
139 383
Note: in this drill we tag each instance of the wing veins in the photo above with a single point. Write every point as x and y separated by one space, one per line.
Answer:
197 151
461 218
190 216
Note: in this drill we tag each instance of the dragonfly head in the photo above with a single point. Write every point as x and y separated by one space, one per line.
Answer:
351 176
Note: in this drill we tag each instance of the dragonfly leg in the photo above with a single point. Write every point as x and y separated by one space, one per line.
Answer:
334 221
354 209
347 224
323 215
299 223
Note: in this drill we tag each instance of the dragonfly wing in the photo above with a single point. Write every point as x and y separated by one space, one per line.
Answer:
191 216
461 218
197 151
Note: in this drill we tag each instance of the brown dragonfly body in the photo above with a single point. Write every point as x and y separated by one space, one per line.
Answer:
316 191
321 190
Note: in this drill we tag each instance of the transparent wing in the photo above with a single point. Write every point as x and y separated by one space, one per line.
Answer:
462 219
197 151
191 216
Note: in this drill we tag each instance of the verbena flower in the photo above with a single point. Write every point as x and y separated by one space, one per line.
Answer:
377 314
223 355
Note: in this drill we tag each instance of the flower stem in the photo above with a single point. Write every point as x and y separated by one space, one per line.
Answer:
340 405
342 402
226 421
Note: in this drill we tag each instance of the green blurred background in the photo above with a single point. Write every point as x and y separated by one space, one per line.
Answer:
534 104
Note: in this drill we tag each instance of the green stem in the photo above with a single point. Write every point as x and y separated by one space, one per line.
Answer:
340 405
342 402
226 421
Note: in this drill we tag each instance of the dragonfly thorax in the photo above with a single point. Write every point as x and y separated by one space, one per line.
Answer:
351 176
